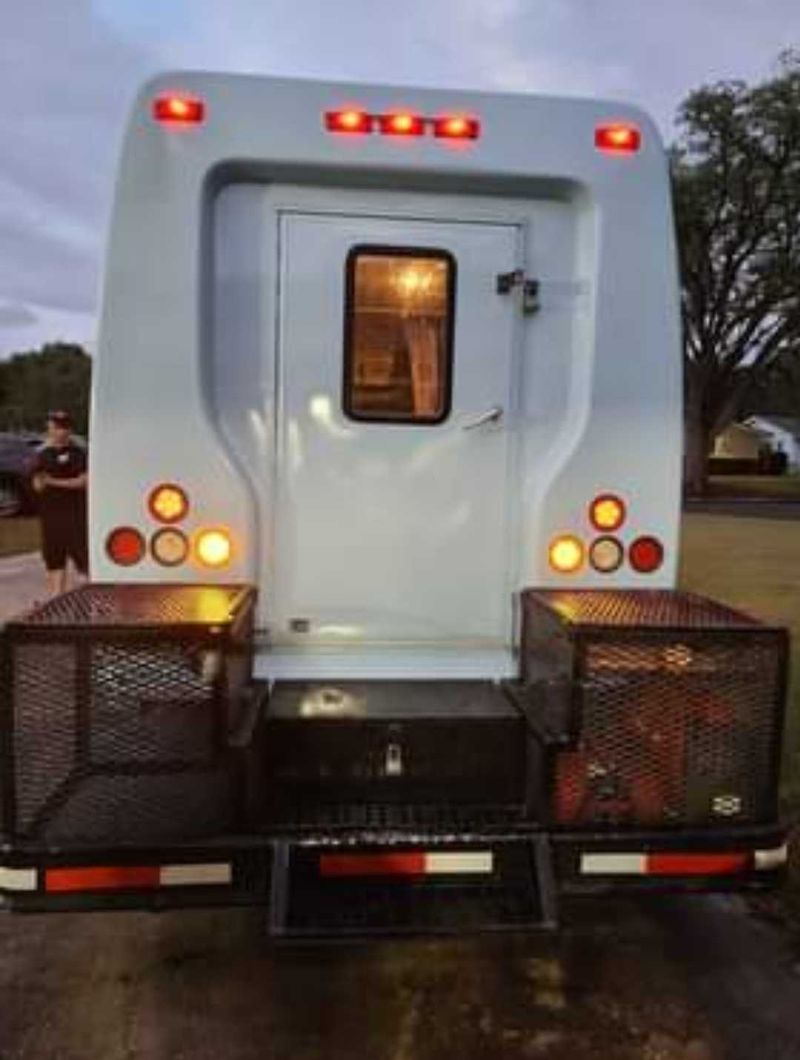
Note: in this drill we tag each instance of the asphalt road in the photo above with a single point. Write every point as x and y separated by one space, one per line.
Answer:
668 979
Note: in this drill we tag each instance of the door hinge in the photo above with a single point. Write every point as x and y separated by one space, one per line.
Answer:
529 288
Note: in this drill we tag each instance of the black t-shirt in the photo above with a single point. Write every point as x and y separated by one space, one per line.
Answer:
66 461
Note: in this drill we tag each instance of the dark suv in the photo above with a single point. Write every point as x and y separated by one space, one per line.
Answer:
17 454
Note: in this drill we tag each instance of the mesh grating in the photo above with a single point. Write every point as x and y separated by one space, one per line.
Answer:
133 606
672 733
675 706
642 608
120 736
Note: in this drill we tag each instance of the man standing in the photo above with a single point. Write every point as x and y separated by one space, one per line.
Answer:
59 477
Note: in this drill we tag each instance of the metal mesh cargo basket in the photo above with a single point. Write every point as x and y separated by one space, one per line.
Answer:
116 706
674 707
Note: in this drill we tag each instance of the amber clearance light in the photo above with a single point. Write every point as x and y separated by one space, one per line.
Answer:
168 503
607 512
213 547
566 554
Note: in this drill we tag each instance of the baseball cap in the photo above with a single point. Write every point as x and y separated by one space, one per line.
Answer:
59 418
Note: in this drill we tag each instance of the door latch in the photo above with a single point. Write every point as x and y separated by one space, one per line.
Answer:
507 282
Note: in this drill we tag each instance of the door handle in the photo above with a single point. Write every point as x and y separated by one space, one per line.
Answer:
490 416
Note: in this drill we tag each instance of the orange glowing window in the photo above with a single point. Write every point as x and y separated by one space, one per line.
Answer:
398 334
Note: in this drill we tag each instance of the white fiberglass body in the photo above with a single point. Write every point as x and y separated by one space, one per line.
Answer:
382 547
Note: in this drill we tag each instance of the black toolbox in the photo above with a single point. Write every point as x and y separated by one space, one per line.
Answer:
404 744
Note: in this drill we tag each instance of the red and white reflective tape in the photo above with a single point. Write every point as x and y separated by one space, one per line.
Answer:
17 879
135 877
408 863
681 863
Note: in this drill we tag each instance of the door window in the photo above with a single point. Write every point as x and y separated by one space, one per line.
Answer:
398 342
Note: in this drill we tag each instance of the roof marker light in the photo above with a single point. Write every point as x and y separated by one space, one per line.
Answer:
401 124
348 121
179 110
618 138
456 127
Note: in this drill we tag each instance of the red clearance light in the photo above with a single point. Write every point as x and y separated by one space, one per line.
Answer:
456 128
348 121
622 138
179 110
402 124
646 554
125 546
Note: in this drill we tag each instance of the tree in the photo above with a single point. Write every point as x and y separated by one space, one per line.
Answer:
736 186
31 384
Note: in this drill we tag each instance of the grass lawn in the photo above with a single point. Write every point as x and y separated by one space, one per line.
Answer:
18 535
781 487
755 564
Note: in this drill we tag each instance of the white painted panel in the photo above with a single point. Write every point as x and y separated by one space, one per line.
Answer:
391 533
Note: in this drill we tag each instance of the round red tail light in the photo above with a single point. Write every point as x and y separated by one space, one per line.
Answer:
125 546
646 554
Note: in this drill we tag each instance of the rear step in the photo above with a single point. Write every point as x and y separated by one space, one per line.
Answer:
390 892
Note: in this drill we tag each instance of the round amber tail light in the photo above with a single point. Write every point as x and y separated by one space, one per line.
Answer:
566 554
213 547
607 512
168 503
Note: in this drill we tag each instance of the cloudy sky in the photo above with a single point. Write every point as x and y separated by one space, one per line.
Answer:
68 69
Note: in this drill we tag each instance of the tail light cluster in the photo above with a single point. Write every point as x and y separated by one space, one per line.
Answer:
606 553
170 545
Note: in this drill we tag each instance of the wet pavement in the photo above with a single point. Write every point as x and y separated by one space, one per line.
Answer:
661 979
666 980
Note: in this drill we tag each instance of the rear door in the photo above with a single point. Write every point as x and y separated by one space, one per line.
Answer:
395 367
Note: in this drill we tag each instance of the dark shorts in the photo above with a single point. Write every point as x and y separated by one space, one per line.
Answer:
64 539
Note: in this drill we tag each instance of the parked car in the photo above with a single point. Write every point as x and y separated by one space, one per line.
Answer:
17 453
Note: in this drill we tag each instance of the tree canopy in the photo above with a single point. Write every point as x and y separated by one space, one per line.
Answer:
736 180
55 377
